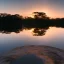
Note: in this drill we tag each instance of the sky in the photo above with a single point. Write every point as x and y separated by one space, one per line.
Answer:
53 8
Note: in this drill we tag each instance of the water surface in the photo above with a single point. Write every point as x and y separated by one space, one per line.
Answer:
53 36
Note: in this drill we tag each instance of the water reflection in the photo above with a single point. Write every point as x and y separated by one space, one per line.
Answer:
39 31
16 27
28 59
53 37
16 31
15 36
36 31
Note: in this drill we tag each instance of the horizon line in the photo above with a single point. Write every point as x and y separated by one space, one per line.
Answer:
29 15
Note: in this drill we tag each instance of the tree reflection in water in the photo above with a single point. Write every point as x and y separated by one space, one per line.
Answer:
39 31
16 23
35 31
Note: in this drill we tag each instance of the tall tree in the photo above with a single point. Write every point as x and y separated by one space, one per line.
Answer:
40 15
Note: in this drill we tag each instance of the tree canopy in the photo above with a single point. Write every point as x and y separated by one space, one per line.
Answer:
40 15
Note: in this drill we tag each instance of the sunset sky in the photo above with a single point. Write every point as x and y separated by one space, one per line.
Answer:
53 8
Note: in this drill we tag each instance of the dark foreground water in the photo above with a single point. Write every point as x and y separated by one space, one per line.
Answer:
49 37
28 59
33 55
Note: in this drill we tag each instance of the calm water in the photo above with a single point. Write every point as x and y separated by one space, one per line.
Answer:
51 37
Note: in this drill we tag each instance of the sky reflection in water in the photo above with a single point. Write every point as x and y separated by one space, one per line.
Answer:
51 37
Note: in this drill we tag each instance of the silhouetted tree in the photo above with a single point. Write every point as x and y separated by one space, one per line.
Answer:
16 23
40 15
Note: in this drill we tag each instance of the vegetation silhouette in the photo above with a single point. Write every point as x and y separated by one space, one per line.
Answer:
10 23
40 31
16 23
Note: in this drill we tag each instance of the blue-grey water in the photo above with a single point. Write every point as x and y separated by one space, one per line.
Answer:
53 37
28 59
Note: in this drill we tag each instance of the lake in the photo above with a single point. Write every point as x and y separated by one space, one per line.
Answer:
52 36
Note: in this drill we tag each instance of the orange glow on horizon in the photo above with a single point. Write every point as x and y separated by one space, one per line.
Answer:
49 12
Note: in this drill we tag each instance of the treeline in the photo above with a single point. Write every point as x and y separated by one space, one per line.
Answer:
16 22
10 23
40 19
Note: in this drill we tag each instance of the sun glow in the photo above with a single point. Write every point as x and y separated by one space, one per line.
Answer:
50 12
